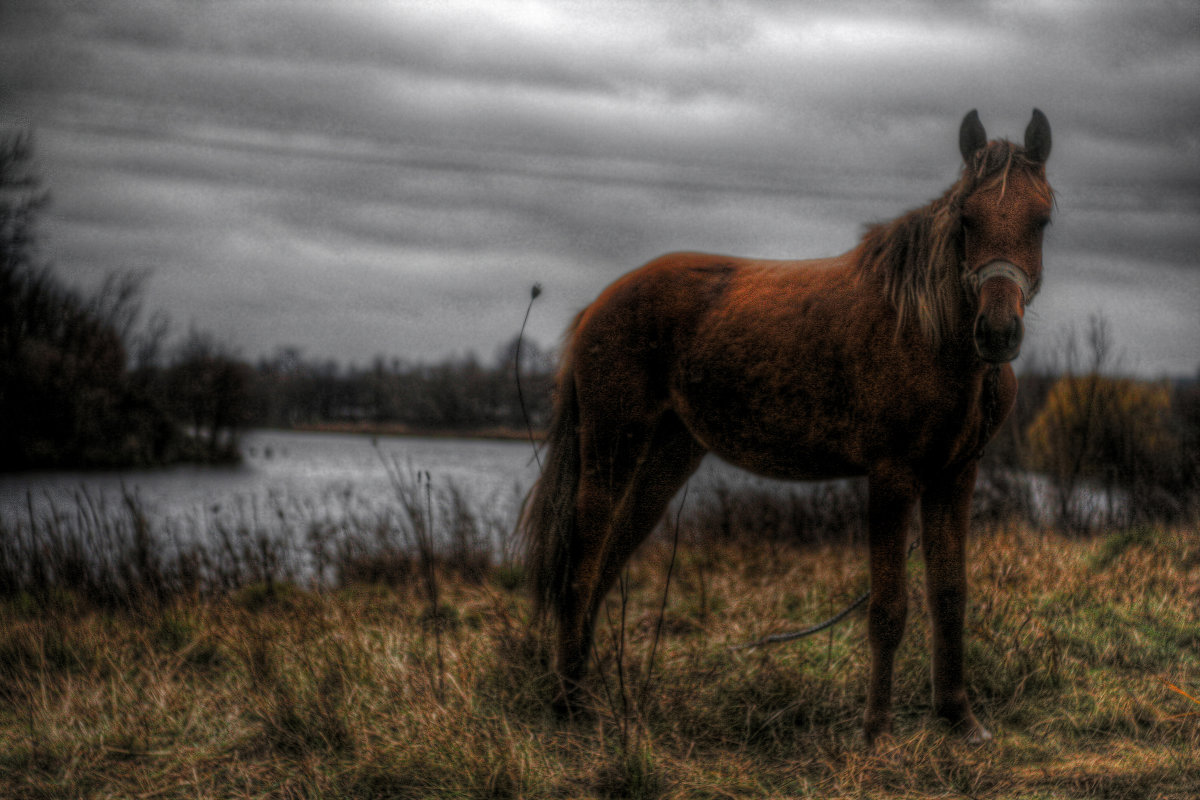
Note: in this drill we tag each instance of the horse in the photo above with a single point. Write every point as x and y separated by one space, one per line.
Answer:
891 361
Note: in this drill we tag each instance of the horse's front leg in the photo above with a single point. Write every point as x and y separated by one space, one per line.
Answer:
890 505
945 519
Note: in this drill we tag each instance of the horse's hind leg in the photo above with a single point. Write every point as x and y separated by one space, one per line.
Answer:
628 478
672 458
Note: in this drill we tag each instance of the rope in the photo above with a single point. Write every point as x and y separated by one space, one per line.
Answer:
800 634
988 401
820 626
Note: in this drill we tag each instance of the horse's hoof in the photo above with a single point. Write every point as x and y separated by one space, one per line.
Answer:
877 731
962 722
562 711
971 731
974 733
567 707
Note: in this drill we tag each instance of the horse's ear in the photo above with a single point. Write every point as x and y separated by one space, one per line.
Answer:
1037 138
971 135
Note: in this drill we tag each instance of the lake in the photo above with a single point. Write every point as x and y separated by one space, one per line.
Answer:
304 476
329 470
324 468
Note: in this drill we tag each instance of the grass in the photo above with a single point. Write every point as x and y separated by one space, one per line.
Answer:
400 677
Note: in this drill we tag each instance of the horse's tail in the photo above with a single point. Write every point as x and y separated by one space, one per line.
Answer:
548 522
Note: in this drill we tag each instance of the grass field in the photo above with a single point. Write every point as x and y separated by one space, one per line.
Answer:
1083 659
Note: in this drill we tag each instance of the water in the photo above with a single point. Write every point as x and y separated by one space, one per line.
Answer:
330 475
324 471
320 469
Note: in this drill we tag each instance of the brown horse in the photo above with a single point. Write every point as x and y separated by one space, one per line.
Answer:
889 361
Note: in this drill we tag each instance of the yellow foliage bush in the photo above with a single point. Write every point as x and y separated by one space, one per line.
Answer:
1115 429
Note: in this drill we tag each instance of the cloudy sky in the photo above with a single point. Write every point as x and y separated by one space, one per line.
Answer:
367 177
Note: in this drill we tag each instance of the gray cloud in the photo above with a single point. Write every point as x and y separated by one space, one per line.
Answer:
382 177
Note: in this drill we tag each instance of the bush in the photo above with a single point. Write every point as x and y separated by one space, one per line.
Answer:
67 395
1114 432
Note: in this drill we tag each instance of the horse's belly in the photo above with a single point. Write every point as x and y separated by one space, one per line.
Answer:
796 458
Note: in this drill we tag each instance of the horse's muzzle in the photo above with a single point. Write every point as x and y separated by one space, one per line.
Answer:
998 342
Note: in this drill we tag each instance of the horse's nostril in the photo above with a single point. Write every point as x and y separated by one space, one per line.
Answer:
1015 333
998 343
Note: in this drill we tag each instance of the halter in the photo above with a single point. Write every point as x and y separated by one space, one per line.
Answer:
1002 269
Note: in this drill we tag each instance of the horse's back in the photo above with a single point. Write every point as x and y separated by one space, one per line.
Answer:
683 287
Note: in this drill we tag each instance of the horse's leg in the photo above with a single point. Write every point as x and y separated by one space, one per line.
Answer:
945 518
608 457
671 459
889 508
627 479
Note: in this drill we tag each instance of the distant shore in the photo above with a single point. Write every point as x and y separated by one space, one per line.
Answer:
400 429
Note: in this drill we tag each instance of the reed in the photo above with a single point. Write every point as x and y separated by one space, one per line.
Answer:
117 555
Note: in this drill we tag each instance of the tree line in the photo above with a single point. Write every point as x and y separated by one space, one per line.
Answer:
462 394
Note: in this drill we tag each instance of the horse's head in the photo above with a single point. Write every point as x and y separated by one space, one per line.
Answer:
1002 219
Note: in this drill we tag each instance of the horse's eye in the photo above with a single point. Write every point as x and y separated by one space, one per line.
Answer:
1042 223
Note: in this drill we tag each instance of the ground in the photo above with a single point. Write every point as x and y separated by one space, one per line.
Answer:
1083 659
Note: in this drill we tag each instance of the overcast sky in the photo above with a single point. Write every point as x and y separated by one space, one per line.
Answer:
357 178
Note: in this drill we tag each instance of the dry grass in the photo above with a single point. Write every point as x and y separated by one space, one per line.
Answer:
360 691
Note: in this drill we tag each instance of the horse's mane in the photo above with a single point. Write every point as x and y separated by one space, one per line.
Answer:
918 256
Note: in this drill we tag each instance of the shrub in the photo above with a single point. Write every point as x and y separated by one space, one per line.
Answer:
1114 432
